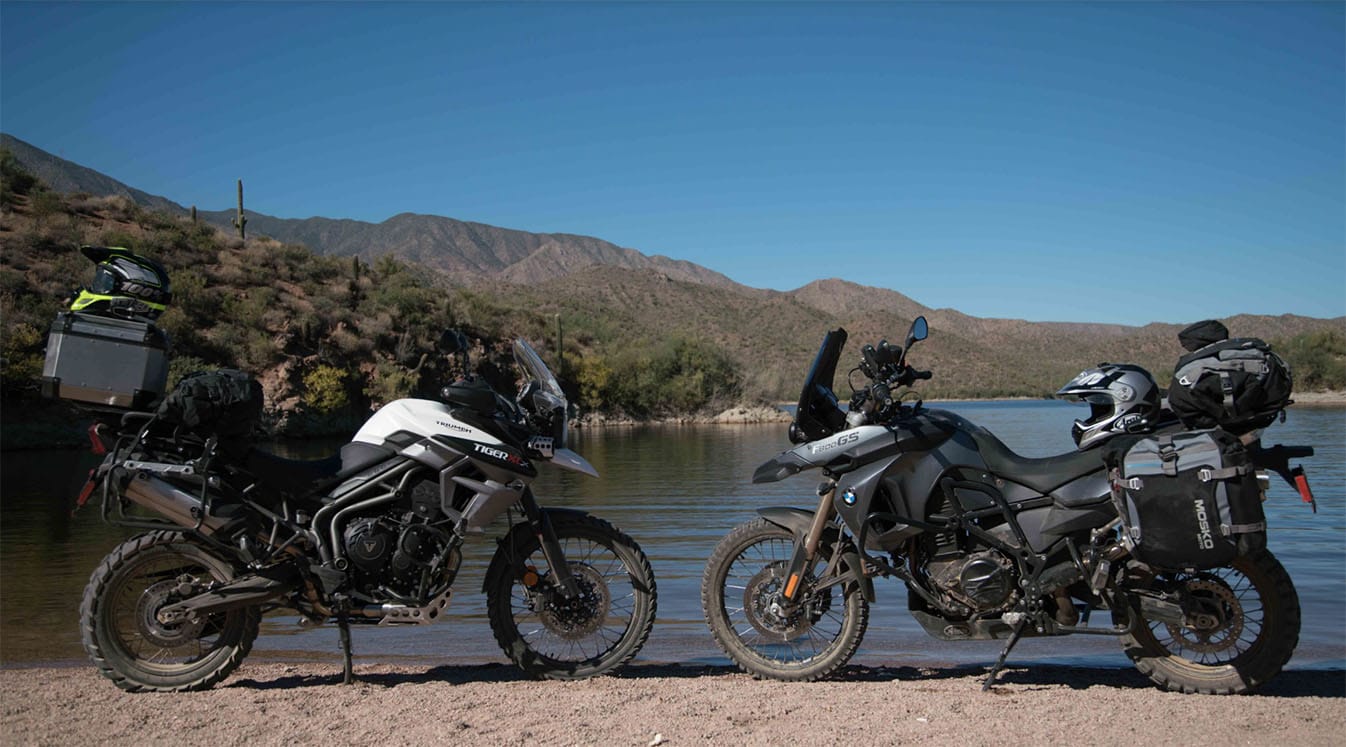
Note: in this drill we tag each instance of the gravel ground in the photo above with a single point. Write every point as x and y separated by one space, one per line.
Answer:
647 704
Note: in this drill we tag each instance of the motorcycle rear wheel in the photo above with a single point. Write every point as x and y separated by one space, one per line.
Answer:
740 594
128 643
550 637
1255 629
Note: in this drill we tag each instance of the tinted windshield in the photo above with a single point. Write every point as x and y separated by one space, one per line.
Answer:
532 364
819 414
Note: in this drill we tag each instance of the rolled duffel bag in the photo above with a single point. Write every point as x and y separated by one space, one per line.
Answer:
1187 500
224 403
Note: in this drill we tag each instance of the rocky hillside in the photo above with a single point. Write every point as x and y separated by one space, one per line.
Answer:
467 252
643 336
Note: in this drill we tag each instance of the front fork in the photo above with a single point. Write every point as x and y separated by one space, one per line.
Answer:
540 524
806 551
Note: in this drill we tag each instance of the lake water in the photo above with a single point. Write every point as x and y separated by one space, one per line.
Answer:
676 490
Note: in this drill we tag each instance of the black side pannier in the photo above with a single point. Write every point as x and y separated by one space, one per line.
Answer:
224 403
1187 500
1239 385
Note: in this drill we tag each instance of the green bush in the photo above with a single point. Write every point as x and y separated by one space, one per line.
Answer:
181 365
325 389
15 180
1317 359
677 376
389 382
21 356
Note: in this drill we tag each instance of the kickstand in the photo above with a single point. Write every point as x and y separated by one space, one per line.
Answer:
348 672
1000 662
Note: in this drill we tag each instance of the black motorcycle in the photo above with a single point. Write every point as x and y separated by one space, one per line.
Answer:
990 545
370 536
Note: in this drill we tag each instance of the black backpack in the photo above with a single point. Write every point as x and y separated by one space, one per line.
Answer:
1239 385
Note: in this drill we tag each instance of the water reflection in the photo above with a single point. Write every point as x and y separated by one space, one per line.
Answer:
677 490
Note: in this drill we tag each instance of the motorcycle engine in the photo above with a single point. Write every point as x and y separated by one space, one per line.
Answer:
388 554
975 583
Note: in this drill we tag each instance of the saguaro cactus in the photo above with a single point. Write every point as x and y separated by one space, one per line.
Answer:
560 349
240 220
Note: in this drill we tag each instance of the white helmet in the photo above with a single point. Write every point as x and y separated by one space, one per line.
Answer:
1122 399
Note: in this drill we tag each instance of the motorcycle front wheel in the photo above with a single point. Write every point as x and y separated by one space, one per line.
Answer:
1245 626
741 593
553 637
127 641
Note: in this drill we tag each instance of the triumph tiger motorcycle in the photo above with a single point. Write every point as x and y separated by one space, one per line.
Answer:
990 545
370 536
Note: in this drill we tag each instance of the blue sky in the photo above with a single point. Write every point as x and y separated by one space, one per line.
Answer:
1126 163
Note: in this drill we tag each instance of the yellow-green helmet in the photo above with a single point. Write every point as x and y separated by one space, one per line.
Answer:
124 284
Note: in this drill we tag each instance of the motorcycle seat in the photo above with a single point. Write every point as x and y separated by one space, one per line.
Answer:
303 476
1043 474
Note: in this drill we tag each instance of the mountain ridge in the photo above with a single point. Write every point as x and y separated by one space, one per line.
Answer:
469 253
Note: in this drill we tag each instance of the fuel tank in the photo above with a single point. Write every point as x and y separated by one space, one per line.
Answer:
421 418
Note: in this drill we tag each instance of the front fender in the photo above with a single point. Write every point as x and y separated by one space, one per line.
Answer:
798 521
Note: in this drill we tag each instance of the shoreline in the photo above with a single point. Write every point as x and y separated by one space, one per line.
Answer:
68 435
651 704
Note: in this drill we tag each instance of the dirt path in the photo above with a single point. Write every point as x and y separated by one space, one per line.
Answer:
652 703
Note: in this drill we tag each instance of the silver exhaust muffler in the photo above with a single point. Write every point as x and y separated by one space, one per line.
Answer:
175 504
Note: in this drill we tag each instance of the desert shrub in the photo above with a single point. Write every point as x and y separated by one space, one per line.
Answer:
181 365
678 376
325 389
15 180
118 237
21 356
45 205
1317 359
389 382
593 376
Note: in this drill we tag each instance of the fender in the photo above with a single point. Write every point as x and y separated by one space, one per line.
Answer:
522 532
798 521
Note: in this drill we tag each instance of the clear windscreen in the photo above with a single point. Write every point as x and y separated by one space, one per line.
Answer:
532 364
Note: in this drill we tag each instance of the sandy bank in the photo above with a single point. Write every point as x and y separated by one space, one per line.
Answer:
667 704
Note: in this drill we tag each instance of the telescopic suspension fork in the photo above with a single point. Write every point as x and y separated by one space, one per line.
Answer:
807 550
541 525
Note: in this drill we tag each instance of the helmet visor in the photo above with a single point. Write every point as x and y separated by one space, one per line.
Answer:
104 281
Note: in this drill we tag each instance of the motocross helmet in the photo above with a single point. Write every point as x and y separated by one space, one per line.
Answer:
124 284
1122 399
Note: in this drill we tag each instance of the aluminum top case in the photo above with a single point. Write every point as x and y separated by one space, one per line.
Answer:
105 360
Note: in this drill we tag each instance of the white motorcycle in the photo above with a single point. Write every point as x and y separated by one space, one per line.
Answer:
371 535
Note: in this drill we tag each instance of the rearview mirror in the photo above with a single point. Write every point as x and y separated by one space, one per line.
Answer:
919 331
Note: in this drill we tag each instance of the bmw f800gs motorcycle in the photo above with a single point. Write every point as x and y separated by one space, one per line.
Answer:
371 535
989 544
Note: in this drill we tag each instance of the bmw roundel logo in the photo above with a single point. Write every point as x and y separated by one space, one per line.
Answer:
848 497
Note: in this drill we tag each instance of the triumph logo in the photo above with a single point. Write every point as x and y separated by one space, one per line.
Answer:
1204 539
